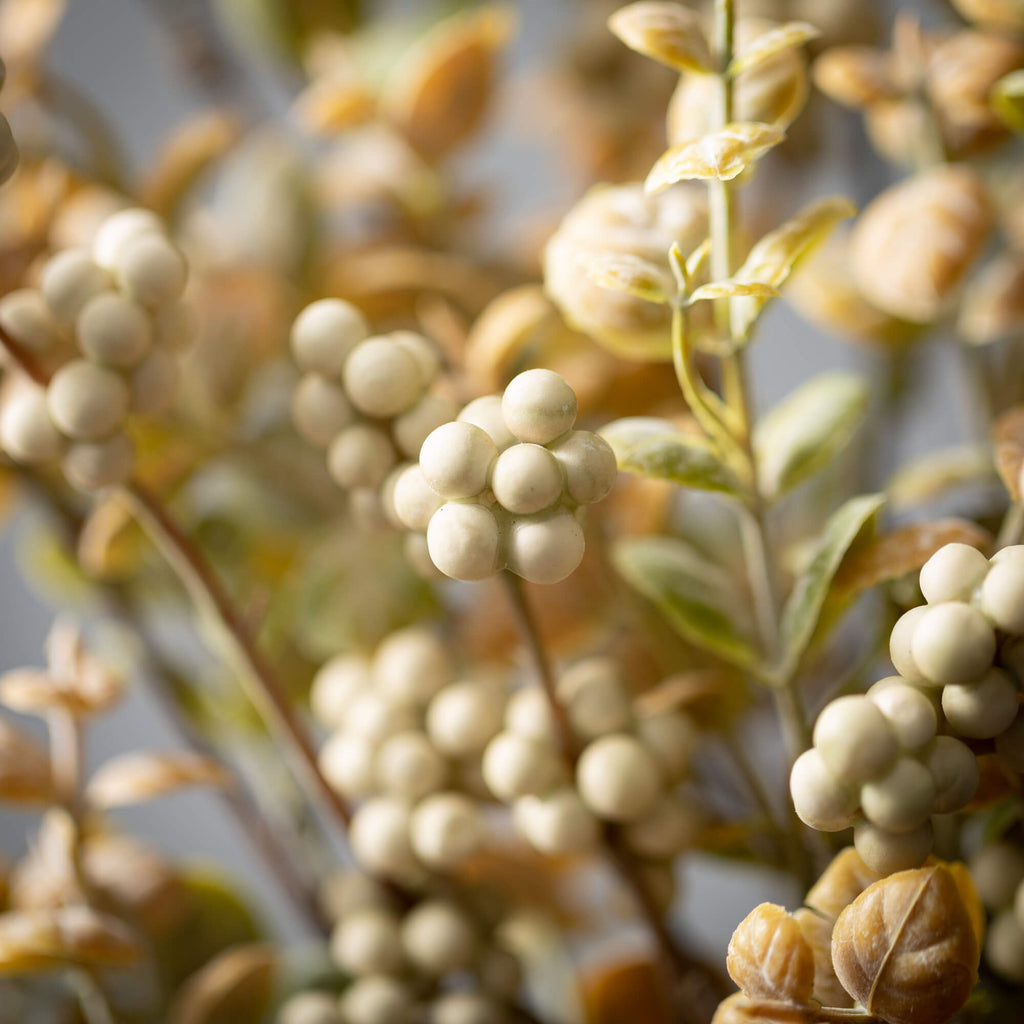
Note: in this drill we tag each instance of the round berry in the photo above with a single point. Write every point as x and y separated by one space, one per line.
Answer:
114 330
310 1008
589 465
910 713
463 541
617 778
95 465
594 698
324 333
375 717
538 406
346 761
121 228
464 717
466 1008
888 852
955 771
1002 596
557 823
377 999
529 714
86 401
381 378
334 686
952 573
368 941
900 640
412 428
546 548
819 798
952 643
413 499
667 829
982 709
671 737
997 870
320 409
855 740
515 766
379 837
423 352
151 269
901 800
27 431
485 413
408 765
348 890
1004 947
154 383
360 456
446 829
439 938
411 665
526 478
26 318
456 459
68 281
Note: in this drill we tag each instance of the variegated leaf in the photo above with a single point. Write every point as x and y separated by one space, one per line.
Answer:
721 155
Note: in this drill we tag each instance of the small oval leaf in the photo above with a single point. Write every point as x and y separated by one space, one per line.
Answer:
136 778
624 272
722 155
770 43
666 32
769 958
733 289
934 475
32 940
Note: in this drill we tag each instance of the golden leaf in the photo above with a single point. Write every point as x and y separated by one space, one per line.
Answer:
621 993
840 883
770 43
817 931
769 958
236 985
625 272
332 104
1008 439
906 948
24 768
722 155
667 32
734 289
134 778
34 940
741 1009
856 76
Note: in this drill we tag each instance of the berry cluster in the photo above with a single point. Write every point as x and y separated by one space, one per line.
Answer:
363 399
109 321
627 772
406 961
406 736
890 759
502 485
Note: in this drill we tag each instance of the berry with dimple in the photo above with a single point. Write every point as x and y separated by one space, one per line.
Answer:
515 766
69 280
456 459
888 852
981 709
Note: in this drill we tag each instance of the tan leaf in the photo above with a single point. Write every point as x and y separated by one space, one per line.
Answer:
667 32
855 76
1008 438
771 43
135 778
624 272
934 475
905 550
734 289
769 958
34 692
906 949
817 932
846 877
33 940
722 155
24 768
233 986
741 1009
621 992
333 103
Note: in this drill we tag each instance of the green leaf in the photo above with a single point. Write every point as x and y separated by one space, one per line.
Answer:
655 448
771 43
697 597
808 429
803 608
1007 98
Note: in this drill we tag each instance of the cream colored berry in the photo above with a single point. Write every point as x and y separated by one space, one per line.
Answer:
485 413
466 1008
546 548
119 229
348 890
463 541
902 799
381 378
412 428
528 714
617 778
95 465
910 713
377 999
346 761
1002 596
887 852
361 456
1004 947
68 281
526 478
820 799
464 717
594 698
997 869
981 709
368 941
411 665
175 326
324 333
86 401
310 1008
114 330
855 740
154 383
375 717
446 830
952 643
667 829
671 737
26 318
439 938
379 837
27 431
409 765
456 459
899 644
1010 743
556 823
589 465
952 573
423 351
515 766
414 501
955 771
335 685
538 406
320 410
151 270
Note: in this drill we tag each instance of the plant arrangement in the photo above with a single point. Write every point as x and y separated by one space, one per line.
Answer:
461 561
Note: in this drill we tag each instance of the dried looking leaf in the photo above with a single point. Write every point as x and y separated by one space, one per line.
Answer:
1008 439
817 932
769 958
856 76
624 272
722 155
906 949
667 32
741 1009
846 877
134 778
34 940
772 43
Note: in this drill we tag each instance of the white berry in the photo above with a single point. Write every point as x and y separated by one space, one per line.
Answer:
324 333
381 378
439 938
320 409
526 478
113 329
463 541
446 829
952 573
546 548
68 281
515 766
952 643
456 459
589 465
464 717
617 778
538 406
820 799
855 739
981 709
557 823
86 401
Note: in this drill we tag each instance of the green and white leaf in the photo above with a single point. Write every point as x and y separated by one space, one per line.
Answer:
656 448
771 43
623 272
721 155
1007 99
698 598
803 607
808 429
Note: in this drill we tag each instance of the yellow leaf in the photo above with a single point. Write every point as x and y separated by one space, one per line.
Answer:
666 32
134 778
722 155
767 45
624 272
733 289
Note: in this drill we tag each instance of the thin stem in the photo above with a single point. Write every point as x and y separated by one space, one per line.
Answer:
91 997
